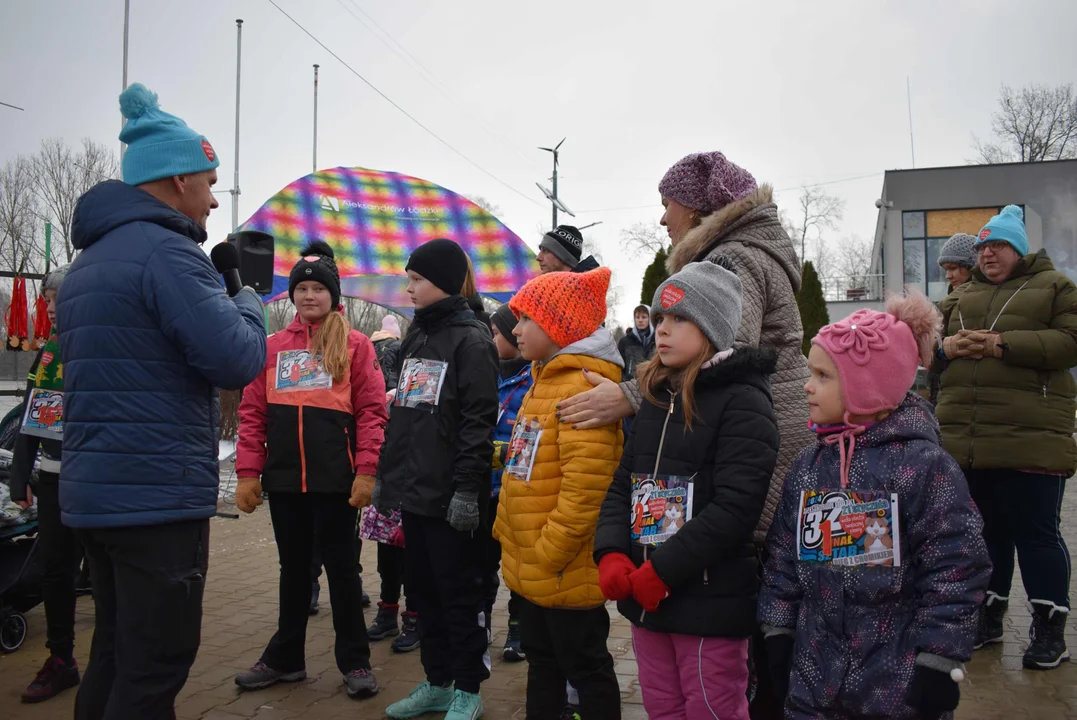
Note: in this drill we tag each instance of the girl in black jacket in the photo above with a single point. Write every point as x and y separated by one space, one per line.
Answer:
674 540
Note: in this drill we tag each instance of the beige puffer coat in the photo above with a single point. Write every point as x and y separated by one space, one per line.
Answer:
749 233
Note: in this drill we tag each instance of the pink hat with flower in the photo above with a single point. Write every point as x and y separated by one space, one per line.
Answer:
877 354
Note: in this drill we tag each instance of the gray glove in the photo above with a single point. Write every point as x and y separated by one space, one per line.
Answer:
463 512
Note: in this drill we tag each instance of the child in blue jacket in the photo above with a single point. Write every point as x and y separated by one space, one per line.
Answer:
514 381
877 564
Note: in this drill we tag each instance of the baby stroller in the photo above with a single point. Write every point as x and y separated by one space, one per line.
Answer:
20 582
20 574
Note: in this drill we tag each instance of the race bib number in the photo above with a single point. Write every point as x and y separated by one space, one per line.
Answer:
523 446
843 527
661 505
420 383
44 416
301 371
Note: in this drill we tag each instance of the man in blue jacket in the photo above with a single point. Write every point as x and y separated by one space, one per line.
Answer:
147 334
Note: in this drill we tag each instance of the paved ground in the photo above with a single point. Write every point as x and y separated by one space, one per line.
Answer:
240 615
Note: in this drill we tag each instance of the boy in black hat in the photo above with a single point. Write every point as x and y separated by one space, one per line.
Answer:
435 466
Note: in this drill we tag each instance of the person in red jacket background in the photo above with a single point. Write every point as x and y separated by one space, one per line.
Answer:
310 433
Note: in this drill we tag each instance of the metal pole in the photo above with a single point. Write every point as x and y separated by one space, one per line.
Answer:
48 245
315 117
126 25
912 145
235 177
554 203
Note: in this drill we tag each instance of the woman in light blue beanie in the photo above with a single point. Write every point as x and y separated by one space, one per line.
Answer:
159 144
1008 226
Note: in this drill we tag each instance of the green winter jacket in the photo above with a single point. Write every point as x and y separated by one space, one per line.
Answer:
1018 411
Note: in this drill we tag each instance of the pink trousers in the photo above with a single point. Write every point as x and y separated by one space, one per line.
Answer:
685 677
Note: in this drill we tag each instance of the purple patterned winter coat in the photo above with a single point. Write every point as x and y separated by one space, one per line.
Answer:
858 629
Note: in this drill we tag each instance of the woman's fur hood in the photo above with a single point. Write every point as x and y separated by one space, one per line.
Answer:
753 221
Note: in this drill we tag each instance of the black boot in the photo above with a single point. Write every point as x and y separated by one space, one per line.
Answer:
1048 635
409 633
384 624
989 628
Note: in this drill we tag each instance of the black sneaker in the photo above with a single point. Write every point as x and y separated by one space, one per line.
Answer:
361 684
54 677
989 627
512 651
1048 635
408 639
384 624
261 676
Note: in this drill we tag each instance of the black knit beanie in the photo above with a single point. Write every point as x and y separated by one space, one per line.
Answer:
442 262
505 320
566 243
316 263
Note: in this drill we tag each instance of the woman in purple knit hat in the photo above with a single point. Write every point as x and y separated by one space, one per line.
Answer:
715 207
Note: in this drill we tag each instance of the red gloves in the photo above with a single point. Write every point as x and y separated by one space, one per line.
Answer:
613 571
647 587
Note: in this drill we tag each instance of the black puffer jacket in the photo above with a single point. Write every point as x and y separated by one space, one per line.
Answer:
387 350
710 564
429 454
635 351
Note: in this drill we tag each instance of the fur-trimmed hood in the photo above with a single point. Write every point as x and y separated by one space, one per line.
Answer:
753 221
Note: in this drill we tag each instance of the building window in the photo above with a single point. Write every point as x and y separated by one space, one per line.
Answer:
923 235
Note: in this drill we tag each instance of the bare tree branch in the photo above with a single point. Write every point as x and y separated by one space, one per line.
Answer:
62 176
485 204
19 221
644 239
1035 124
816 211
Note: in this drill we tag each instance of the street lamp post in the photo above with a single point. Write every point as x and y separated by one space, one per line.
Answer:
126 25
235 177
555 201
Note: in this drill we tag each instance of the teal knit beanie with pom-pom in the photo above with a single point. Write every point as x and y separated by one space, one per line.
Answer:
1007 226
159 144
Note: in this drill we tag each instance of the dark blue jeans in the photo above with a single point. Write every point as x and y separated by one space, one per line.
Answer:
1022 511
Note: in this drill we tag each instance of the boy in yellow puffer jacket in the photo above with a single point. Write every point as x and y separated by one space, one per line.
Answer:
552 489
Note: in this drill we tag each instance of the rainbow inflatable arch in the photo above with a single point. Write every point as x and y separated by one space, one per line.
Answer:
373 220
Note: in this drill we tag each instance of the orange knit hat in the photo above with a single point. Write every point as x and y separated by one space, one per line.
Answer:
567 306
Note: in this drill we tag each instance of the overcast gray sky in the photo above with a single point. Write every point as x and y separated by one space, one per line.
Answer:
797 92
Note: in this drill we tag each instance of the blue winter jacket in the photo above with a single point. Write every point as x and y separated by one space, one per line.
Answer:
859 629
147 334
512 384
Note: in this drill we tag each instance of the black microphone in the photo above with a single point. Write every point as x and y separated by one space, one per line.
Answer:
225 258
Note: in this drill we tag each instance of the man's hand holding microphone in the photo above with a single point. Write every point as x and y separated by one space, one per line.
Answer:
225 259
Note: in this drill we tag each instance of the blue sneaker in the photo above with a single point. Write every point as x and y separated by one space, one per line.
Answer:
423 699
465 706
